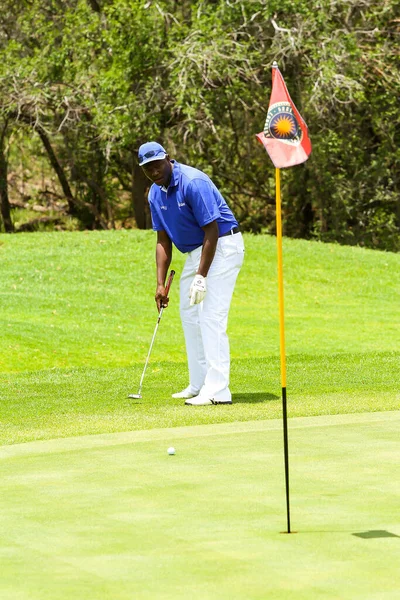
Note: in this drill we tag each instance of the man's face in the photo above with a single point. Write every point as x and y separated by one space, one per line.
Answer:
159 171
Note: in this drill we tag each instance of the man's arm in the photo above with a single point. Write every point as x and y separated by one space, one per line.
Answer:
211 234
163 260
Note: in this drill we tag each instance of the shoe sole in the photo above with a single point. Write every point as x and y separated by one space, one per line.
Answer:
219 402
213 402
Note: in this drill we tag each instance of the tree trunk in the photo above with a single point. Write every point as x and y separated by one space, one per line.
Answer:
95 5
140 185
59 171
4 201
81 210
85 212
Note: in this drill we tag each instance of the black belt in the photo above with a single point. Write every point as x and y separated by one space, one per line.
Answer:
230 232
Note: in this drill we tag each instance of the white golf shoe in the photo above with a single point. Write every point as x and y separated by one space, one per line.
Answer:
188 392
204 401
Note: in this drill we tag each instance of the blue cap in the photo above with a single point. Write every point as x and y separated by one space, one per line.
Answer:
150 151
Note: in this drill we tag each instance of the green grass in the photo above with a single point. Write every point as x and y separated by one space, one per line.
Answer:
116 517
77 315
112 515
60 403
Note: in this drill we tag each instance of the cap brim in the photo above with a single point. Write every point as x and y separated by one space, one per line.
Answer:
152 158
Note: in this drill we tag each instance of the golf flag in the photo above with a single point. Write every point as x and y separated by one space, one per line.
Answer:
285 136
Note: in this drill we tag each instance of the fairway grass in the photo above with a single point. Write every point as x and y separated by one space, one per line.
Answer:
113 516
77 315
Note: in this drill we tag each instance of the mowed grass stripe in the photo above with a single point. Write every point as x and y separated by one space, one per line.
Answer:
171 434
63 403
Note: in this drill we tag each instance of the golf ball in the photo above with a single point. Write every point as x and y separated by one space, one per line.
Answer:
171 450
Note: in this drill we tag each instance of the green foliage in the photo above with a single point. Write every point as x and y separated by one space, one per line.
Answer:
197 77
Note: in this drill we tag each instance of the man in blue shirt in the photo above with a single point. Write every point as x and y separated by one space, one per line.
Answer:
188 211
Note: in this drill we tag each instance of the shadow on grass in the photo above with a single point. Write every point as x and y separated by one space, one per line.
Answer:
252 398
377 533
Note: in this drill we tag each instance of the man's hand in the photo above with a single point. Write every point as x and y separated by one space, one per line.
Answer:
197 290
161 298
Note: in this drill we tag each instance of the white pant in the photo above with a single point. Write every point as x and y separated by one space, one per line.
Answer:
205 324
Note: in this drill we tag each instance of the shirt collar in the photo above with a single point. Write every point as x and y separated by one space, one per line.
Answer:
174 176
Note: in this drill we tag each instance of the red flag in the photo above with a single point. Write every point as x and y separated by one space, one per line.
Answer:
285 136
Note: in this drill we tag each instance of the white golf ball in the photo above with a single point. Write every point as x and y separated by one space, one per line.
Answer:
171 450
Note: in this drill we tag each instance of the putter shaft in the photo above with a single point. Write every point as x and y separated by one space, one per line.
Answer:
149 352
138 395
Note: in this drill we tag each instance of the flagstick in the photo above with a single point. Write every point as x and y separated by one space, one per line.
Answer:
282 336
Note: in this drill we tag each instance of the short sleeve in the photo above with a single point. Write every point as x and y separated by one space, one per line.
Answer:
202 200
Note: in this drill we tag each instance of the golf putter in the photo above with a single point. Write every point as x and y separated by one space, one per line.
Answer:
139 395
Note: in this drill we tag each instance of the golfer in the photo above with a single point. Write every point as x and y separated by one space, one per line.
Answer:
188 211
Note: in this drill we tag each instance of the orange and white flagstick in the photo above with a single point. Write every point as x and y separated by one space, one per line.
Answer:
282 336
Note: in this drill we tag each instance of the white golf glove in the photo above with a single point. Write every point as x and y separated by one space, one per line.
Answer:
197 290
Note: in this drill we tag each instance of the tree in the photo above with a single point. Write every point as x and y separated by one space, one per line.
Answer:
95 79
4 202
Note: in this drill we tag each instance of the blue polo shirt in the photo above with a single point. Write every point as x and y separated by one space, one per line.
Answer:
190 202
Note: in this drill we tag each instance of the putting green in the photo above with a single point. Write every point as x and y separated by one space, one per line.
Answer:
114 517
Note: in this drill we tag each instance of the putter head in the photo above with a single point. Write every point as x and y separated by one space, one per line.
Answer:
136 396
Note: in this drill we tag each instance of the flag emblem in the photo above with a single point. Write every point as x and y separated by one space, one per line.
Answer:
285 136
282 124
